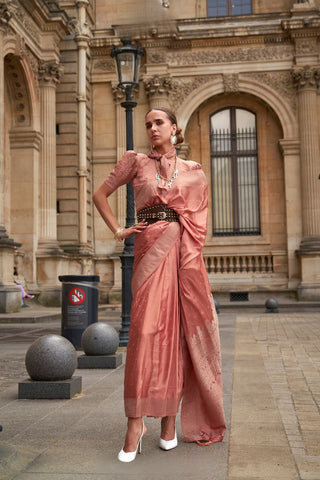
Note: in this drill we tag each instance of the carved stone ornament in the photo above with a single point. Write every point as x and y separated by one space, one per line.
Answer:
7 9
104 65
25 53
231 55
157 85
181 89
306 77
13 8
49 72
281 82
231 83
306 46
18 90
119 94
156 56
81 30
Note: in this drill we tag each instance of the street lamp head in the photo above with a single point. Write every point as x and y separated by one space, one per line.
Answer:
128 58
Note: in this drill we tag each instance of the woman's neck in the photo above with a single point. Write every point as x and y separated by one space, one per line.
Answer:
163 149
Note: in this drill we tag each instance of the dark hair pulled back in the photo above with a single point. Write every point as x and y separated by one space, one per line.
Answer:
173 120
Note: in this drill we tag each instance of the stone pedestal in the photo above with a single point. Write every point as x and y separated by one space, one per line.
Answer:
10 299
100 361
59 389
10 296
51 262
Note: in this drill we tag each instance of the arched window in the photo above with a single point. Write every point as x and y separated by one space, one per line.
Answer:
220 8
234 167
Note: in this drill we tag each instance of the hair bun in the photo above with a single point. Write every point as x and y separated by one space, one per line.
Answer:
179 135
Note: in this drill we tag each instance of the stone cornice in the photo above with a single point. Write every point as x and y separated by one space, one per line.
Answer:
48 16
29 18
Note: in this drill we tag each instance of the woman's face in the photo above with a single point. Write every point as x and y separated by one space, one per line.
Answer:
159 128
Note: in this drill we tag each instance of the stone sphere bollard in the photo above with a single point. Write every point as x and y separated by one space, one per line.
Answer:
271 305
100 339
51 357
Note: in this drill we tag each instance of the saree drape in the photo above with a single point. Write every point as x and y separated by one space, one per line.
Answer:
173 354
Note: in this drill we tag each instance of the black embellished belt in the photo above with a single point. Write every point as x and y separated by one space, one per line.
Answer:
157 212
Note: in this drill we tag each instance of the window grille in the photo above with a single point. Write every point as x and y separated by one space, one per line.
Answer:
220 8
234 166
239 296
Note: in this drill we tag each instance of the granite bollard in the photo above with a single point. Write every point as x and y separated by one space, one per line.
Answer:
50 361
271 305
100 342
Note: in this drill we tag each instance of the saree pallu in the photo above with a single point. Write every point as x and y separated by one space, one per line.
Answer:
173 352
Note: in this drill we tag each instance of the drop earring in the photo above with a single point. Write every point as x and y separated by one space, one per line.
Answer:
173 139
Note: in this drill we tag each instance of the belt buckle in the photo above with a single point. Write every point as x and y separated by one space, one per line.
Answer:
162 215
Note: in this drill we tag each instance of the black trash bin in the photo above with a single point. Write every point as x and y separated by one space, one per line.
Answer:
79 305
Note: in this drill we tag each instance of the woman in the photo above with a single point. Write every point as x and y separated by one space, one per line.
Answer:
174 348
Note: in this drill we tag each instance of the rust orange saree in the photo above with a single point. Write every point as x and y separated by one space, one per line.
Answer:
173 354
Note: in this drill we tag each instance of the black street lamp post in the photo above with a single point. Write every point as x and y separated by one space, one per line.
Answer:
128 59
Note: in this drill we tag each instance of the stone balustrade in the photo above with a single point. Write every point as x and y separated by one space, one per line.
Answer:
239 264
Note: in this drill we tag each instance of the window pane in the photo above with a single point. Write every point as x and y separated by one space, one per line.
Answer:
248 198
220 132
235 182
241 7
245 119
217 8
222 195
246 130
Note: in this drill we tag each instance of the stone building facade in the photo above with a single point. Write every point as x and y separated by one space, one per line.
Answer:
244 81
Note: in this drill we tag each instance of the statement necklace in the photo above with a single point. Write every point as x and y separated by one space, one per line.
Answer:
163 180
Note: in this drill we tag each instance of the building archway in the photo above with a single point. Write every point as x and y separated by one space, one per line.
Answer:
21 182
257 261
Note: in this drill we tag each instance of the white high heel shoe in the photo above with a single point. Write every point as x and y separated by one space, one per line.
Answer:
169 444
130 456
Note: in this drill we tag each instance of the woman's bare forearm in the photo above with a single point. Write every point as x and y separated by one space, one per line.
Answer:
100 199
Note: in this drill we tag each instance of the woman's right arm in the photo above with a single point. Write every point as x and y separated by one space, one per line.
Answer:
100 199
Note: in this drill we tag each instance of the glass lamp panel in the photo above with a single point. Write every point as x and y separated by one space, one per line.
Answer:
126 65
137 61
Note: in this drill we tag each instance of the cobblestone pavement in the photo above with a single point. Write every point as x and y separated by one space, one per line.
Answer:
275 422
277 362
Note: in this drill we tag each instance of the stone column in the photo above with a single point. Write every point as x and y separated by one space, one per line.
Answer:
307 80
82 36
119 96
291 159
157 89
10 298
49 254
49 76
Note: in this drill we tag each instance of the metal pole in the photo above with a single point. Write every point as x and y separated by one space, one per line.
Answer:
127 255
